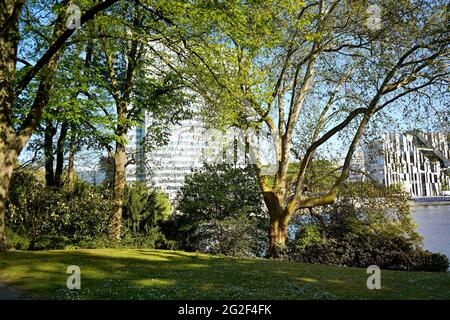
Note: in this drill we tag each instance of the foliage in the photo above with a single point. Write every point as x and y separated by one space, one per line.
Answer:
53 219
221 211
237 235
154 238
308 235
144 208
362 250
17 241
368 206
35 210
50 242
369 224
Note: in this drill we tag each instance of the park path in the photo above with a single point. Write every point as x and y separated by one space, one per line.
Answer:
8 292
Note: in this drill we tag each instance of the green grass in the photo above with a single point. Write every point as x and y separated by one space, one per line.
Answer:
158 274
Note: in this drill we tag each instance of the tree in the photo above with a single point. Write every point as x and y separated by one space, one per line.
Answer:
221 211
137 88
365 207
14 136
308 71
70 120
369 224
145 208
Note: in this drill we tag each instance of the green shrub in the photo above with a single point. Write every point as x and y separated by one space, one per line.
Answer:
310 234
220 211
430 261
368 225
50 242
153 239
54 218
35 210
143 209
100 242
17 241
234 236
362 250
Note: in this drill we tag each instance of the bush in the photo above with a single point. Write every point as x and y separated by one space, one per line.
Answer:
368 225
430 261
235 236
35 210
17 241
362 250
154 239
151 240
143 209
54 218
50 242
220 211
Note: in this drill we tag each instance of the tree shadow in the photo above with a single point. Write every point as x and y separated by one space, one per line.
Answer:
157 274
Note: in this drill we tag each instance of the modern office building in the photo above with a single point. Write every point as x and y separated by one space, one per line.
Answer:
166 166
190 145
417 161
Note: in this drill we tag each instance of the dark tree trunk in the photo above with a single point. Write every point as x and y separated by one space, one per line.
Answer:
71 163
60 153
49 133
7 162
9 143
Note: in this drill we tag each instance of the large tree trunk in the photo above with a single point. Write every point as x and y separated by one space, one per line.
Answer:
278 233
9 148
118 192
122 95
7 162
279 221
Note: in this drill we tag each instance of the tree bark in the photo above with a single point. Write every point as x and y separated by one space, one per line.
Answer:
71 163
60 153
122 97
7 162
49 133
278 234
118 191
9 37
279 220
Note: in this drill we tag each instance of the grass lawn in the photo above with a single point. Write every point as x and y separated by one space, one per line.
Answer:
159 274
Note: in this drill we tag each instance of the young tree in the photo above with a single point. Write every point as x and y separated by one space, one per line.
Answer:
70 120
221 211
137 86
145 208
309 71
13 135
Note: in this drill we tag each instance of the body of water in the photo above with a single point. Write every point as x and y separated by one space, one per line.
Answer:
434 226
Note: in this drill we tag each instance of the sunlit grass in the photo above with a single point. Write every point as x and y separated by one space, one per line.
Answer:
158 274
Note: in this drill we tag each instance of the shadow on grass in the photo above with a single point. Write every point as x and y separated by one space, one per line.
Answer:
157 274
